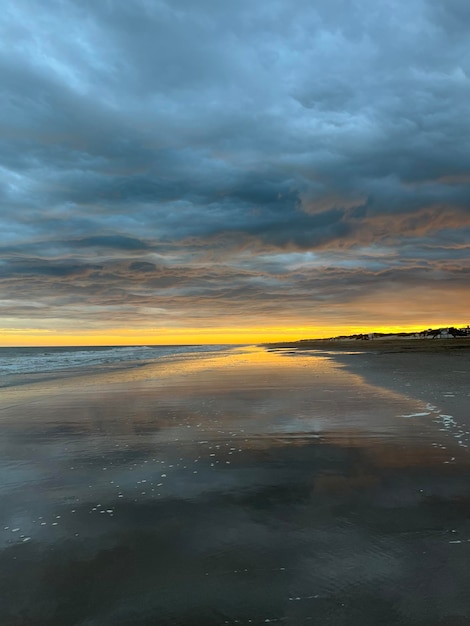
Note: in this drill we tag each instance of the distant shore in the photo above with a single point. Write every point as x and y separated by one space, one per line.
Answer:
376 345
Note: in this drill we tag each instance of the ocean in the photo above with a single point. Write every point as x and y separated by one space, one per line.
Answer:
20 365
215 485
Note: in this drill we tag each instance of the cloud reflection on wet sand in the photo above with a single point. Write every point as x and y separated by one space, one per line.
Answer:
223 490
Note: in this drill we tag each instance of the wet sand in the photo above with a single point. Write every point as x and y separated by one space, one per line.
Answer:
436 372
248 488
441 378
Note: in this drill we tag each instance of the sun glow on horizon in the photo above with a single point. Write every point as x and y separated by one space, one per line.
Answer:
217 335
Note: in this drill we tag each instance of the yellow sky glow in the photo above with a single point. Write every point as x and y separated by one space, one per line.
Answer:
123 336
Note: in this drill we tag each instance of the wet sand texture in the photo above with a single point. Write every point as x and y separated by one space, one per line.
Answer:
250 488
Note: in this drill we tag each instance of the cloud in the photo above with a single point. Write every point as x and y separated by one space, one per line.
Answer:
142 141
119 242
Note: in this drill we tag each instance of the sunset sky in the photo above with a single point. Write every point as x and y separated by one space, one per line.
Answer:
180 171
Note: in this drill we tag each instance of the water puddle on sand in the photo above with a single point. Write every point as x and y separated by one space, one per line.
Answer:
247 488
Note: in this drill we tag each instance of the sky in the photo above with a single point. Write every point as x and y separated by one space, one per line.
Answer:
181 171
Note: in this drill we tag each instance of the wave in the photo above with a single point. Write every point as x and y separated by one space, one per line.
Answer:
14 361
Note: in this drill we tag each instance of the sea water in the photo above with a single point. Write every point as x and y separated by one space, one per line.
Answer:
30 362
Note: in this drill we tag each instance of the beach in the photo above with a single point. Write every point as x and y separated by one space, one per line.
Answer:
436 372
440 377
238 486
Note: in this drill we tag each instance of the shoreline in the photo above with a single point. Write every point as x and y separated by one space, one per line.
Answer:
422 365
436 375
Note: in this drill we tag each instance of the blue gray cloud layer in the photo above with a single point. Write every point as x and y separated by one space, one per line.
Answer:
163 163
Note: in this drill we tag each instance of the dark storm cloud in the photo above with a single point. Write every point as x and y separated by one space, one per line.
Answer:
35 268
141 142
119 242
